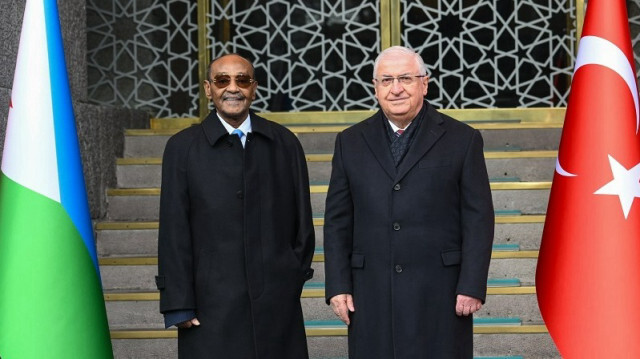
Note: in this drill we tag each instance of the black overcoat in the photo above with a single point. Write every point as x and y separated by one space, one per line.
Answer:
236 240
405 241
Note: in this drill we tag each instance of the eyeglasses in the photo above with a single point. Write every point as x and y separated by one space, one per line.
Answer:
402 79
242 81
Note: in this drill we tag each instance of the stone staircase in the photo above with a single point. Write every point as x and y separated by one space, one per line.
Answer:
520 160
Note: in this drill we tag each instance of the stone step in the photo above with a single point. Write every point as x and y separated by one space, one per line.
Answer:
525 165
316 289
524 136
524 229
526 197
500 251
138 273
524 151
331 342
502 164
141 238
128 314
139 309
471 116
492 346
321 139
143 204
134 274
131 239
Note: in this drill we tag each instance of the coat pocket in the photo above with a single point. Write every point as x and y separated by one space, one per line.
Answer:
451 257
357 260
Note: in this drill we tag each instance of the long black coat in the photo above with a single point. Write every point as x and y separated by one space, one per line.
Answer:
406 241
236 240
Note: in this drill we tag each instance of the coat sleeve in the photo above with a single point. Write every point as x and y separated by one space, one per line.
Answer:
175 260
304 245
338 229
477 221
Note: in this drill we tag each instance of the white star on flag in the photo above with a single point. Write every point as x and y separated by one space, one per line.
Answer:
625 184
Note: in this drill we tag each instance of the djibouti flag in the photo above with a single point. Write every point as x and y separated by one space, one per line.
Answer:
51 301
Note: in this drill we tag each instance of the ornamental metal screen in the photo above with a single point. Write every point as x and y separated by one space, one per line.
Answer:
633 8
144 54
494 53
308 54
317 55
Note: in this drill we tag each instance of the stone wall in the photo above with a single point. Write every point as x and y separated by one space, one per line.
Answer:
11 12
100 129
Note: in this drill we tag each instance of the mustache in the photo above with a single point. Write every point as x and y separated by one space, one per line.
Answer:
238 96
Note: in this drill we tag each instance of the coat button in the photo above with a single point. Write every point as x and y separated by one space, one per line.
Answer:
240 195
397 187
398 268
396 226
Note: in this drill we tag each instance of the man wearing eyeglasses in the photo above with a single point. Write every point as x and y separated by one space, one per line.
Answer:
408 223
236 234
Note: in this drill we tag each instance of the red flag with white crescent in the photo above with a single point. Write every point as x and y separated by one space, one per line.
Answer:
588 275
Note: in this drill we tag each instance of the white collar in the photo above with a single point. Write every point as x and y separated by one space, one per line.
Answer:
396 128
245 126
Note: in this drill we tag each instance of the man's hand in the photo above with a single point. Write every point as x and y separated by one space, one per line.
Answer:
466 305
189 323
341 305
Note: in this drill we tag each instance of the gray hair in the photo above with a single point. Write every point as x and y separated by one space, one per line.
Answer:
400 50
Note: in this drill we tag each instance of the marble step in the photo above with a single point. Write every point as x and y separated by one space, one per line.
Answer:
321 138
328 340
143 204
139 309
486 346
125 238
138 273
501 164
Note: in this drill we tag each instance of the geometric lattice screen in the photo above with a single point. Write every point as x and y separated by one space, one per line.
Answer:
308 54
493 53
143 54
633 9
317 55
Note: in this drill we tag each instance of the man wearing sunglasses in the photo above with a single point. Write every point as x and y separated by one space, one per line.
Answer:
408 223
236 234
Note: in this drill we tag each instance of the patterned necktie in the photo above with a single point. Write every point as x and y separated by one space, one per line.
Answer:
399 146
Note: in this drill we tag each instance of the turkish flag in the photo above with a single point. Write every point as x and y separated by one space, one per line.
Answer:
588 275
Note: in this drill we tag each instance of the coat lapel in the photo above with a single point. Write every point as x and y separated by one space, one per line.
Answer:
213 129
376 138
261 126
429 132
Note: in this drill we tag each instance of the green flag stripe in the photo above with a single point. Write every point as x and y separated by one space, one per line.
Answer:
51 303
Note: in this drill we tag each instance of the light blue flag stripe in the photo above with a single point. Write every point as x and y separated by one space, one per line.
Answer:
72 186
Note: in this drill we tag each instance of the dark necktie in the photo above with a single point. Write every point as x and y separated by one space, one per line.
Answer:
399 146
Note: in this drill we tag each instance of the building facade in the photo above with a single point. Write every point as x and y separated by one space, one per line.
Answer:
317 55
